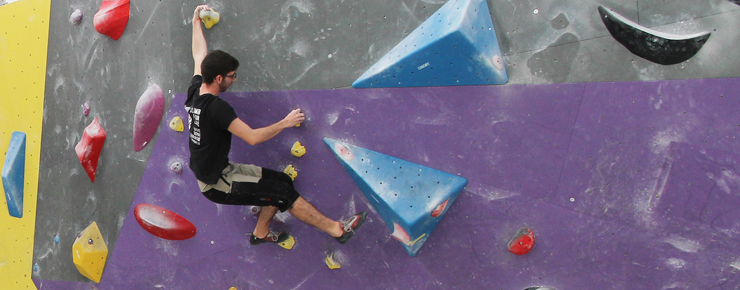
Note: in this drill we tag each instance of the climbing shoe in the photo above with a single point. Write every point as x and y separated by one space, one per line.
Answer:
271 237
350 225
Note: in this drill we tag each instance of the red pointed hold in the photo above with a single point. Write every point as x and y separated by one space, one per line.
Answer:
522 242
89 147
112 18
440 209
149 111
163 223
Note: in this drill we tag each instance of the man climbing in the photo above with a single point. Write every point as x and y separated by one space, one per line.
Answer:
212 121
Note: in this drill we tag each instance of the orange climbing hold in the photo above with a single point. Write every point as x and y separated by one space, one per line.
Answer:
88 149
112 18
522 242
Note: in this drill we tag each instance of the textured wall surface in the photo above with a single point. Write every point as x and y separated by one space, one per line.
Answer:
322 45
23 42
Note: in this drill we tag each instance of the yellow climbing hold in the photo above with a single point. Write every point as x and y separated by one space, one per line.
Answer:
290 171
176 124
298 150
209 17
288 243
232 288
331 262
89 253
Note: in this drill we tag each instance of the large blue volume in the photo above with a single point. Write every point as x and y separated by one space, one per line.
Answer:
13 173
455 46
410 198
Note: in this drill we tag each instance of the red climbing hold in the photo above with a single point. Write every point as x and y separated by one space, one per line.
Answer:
522 242
440 208
163 223
89 147
149 110
112 18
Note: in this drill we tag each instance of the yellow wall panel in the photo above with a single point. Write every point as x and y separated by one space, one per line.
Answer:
24 34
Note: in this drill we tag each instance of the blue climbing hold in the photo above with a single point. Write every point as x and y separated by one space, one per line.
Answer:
410 198
13 173
455 46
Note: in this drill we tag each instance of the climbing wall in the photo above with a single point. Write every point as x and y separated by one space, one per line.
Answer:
23 43
602 164
109 76
598 171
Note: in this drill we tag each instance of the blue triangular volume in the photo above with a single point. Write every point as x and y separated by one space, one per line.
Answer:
13 173
457 45
410 198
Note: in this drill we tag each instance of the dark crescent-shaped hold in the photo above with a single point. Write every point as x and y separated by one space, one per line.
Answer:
736 2
655 46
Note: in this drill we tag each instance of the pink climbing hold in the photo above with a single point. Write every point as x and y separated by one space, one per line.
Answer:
149 111
86 108
522 242
163 223
76 17
400 234
89 147
112 18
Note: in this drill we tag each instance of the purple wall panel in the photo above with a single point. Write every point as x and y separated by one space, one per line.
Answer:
622 136
526 150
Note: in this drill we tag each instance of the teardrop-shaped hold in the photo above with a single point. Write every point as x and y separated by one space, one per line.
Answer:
209 17
176 124
112 18
149 111
522 242
163 223
298 150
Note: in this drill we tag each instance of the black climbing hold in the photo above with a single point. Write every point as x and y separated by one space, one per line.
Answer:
652 45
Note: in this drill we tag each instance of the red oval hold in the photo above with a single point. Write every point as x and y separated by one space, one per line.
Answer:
522 242
163 223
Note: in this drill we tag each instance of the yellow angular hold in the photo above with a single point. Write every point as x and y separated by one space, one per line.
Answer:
176 124
290 171
232 288
331 262
209 17
297 150
288 243
89 253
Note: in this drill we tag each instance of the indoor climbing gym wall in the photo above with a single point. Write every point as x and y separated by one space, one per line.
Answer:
494 144
24 28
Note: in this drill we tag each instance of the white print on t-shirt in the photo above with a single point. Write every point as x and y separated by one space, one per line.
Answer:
194 113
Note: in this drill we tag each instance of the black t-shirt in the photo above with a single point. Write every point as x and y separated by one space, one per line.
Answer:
209 118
